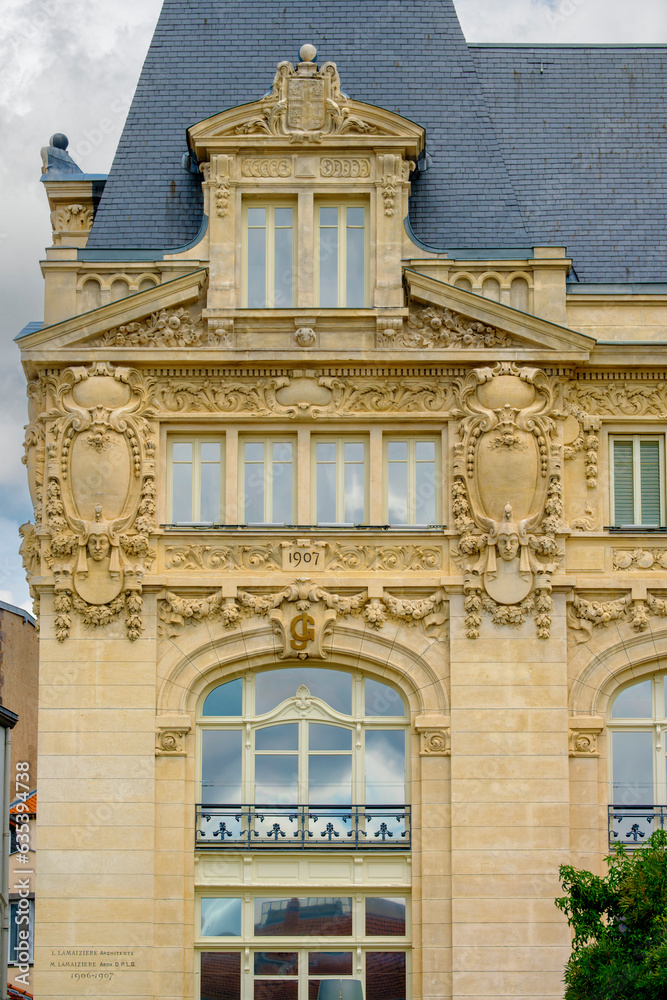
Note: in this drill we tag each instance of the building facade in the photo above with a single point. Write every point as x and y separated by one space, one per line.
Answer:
347 451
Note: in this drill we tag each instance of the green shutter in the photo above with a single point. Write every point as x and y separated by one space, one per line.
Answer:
649 471
624 500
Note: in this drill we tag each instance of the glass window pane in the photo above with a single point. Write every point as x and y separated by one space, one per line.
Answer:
634 702
330 963
333 686
397 451
182 493
385 767
253 451
328 264
385 975
309 915
385 916
330 779
380 699
182 451
283 217
326 451
356 269
276 778
283 281
225 699
354 494
257 217
282 483
328 216
632 781
355 216
276 963
354 451
397 492
325 494
221 766
210 451
210 493
256 267
220 975
276 989
324 737
425 451
253 492
425 493
221 917
278 737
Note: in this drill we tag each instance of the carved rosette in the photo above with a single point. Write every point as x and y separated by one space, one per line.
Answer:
508 495
583 737
100 501
303 613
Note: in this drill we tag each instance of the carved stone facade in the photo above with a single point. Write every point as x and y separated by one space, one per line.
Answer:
460 548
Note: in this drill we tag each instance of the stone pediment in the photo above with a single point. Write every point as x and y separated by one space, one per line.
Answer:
305 106
445 317
166 316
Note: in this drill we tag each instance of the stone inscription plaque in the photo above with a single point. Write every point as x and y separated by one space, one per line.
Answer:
87 965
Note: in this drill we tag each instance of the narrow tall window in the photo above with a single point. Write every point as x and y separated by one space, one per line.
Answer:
267 478
343 256
340 481
637 477
411 481
196 470
269 256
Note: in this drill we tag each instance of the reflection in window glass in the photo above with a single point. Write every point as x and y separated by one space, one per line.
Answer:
385 916
353 486
225 699
276 989
220 976
330 779
634 702
221 917
221 766
385 767
380 699
276 963
332 686
632 779
277 778
385 975
330 963
267 482
324 737
305 916
285 737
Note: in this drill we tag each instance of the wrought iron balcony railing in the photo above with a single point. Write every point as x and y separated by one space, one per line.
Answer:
630 825
328 828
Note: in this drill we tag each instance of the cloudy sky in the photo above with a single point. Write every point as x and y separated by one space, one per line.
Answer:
71 66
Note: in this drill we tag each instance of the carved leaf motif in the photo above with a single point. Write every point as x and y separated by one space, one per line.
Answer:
167 328
440 328
227 557
618 397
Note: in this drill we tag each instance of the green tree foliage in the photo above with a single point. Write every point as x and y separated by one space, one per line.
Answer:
619 948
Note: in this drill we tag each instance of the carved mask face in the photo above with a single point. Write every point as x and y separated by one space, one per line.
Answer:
98 547
508 547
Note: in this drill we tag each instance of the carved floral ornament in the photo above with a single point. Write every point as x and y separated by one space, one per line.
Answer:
439 328
585 616
507 495
303 613
98 443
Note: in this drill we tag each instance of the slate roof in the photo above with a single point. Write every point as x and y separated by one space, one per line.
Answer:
584 135
572 155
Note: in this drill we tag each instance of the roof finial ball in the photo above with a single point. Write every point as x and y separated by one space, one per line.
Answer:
307 53
59 141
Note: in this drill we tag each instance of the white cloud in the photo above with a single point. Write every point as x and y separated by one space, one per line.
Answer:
553 21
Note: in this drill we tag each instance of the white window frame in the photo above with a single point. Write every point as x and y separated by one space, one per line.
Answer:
412 440
267 463
196 440
340 442
656 724
342 228
13 930
270 252
636 440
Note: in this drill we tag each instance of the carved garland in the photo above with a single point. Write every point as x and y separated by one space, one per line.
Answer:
584 616
442 329
178 612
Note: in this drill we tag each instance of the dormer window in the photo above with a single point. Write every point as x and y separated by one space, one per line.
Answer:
268 253
342 255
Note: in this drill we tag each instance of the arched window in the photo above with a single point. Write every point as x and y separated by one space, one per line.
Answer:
638 765
303 757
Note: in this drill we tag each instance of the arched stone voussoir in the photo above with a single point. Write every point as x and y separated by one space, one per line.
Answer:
417 664
600 667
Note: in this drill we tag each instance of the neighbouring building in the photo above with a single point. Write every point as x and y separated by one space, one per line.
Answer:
347 452
19 674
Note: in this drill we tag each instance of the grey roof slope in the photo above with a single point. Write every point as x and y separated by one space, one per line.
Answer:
209 55
584 136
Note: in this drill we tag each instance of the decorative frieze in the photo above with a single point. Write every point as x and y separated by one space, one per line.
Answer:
166 328
267 166
584 616
345 166
652 560
622 397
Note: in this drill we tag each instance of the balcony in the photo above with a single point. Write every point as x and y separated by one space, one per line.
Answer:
315 828
631 825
